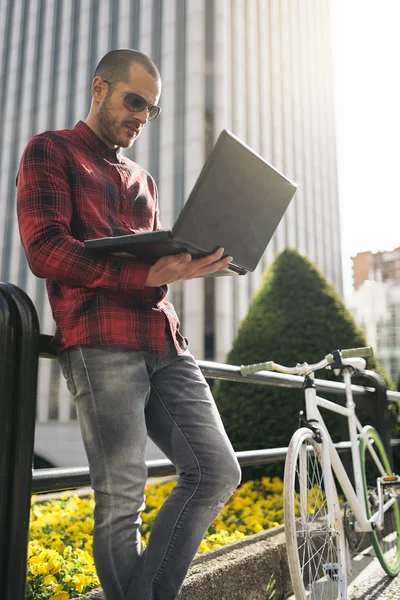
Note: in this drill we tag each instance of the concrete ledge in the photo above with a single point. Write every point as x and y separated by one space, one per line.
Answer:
238 571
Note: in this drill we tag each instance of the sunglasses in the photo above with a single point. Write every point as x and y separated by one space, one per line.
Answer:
136 103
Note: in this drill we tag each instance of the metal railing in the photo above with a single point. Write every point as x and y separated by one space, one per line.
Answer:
20 347
58 479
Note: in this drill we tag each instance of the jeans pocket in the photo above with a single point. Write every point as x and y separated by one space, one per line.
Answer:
65 367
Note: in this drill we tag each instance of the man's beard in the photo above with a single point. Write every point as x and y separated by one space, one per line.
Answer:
110 127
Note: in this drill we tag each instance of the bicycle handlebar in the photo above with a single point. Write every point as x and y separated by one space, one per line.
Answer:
365 352
264 366
305 368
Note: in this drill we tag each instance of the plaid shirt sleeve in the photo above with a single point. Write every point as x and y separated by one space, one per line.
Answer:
44 210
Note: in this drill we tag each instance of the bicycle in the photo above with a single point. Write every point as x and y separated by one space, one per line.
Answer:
318 544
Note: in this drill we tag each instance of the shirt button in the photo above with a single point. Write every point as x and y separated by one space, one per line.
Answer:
124 196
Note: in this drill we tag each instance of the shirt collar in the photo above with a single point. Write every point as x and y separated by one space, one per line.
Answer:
87 135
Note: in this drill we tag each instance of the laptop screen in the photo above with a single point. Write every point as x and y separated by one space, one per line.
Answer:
237 202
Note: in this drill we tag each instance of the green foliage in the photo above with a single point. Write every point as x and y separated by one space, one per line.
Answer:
295 316
271 588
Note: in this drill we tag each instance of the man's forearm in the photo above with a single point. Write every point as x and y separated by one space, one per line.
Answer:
63 258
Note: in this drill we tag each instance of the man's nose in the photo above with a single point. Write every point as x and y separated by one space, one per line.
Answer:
142 116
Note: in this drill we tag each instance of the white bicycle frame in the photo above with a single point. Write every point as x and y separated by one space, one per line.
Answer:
331 459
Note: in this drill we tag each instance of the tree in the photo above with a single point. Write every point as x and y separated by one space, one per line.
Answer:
295 316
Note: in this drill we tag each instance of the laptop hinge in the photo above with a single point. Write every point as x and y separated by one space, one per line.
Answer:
237 269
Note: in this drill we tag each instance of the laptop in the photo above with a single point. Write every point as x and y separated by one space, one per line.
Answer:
236 203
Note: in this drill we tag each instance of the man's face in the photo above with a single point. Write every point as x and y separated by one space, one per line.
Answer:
117 125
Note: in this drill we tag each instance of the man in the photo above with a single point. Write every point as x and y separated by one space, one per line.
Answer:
118 339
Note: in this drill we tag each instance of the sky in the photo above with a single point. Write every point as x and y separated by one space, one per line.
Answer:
366 52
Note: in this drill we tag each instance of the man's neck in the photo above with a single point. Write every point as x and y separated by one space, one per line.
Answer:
91 122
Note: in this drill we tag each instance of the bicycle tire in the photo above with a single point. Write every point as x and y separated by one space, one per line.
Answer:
386 542
316 552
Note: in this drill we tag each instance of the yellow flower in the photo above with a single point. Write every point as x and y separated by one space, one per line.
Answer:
80 581
54 565
204 546
37 566
60 596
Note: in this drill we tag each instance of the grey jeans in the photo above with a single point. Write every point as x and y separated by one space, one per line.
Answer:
122 396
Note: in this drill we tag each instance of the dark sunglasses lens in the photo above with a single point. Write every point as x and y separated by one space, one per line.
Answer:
135 103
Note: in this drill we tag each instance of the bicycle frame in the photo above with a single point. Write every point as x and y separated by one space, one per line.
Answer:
355 497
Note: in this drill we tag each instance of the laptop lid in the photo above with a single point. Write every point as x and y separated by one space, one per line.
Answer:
237 202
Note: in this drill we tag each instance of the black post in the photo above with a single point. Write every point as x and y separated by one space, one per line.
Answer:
381 420
21 452
8 339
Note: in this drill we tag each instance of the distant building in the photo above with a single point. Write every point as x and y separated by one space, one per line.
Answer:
378 266
375 304
262 69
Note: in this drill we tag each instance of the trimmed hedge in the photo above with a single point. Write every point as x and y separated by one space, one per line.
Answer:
295 316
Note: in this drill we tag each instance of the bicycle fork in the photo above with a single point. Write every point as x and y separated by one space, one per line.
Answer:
321 436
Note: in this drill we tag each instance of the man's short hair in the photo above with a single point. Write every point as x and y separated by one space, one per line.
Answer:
115 65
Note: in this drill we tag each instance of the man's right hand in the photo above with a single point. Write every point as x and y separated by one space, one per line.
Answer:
180 267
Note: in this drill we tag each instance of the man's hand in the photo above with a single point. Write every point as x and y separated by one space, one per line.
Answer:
180 267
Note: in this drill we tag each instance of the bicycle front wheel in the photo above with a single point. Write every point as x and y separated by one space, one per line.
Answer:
315 543
386 542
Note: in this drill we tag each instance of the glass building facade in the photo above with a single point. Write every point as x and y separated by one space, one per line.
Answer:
261 68
375 305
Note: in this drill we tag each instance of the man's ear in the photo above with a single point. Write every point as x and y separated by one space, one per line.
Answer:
99 89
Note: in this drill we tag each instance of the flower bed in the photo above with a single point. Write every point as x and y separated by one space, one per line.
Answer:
60 560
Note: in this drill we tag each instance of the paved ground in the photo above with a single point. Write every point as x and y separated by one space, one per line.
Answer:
378 585
370 582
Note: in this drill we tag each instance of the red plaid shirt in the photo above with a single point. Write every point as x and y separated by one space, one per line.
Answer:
71 187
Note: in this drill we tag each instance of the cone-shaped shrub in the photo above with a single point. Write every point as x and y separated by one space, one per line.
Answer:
295 316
